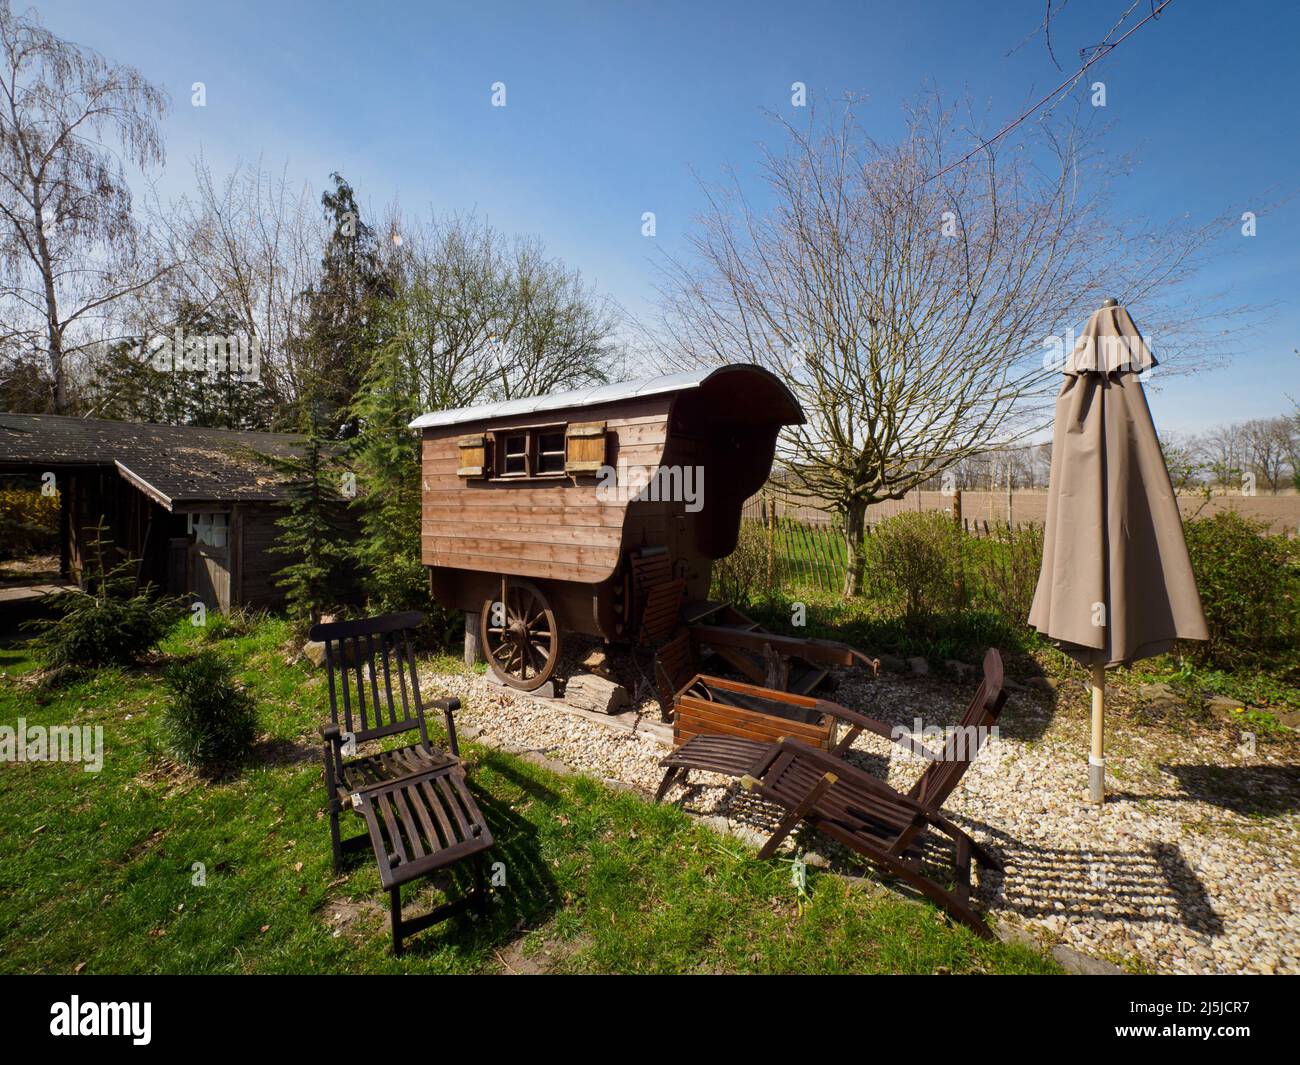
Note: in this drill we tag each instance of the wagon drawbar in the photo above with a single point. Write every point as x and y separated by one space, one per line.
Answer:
600 511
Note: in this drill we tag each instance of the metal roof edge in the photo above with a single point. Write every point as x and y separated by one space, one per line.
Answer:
581 397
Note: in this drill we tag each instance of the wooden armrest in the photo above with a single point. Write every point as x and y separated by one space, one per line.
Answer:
870 724
851 772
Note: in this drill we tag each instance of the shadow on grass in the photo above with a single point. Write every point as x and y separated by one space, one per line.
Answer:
528 895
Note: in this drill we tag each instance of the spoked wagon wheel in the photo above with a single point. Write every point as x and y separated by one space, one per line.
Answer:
519 635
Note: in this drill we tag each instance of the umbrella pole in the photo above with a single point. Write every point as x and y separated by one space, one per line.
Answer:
1096 760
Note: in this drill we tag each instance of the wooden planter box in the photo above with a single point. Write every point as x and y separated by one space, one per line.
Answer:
711 706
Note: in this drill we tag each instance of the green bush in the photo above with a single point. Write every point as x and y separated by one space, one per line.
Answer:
742 575
210 721
1249 581
1001 570
913 564
112 623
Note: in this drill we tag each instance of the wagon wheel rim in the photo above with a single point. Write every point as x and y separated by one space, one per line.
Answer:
521 641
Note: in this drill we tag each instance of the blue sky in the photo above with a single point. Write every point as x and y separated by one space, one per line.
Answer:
614 108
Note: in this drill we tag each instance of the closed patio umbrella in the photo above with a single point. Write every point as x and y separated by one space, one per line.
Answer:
1116 583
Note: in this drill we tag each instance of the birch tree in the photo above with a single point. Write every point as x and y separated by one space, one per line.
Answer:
69 120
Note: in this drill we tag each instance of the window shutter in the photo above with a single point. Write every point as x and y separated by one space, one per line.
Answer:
473 452
584 447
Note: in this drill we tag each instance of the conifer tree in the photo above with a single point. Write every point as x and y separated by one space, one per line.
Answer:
314 535
386 456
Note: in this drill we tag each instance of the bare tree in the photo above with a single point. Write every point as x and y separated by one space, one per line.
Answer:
1186 462
482 317
248 248
1268 444
1224 451
905 300
68 237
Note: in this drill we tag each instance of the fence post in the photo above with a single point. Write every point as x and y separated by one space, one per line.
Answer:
771 543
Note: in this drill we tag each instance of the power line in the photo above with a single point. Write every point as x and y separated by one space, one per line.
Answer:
1104 49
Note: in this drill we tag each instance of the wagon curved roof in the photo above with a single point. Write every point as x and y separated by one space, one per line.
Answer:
613 393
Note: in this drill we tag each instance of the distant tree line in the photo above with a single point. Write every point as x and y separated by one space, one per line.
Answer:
1262 454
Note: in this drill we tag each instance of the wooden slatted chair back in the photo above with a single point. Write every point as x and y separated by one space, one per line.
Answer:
660 616
962 745
658 595
650 566
374 690
674 666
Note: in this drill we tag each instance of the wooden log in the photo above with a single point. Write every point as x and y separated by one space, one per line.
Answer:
590 692
473 652
776 669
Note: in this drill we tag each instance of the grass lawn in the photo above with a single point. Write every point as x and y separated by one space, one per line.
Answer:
98 870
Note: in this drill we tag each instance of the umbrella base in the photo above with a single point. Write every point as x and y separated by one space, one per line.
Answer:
1096 780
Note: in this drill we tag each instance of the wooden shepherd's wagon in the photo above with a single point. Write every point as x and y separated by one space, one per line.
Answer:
600 511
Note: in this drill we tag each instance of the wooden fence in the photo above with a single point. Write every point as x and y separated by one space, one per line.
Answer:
814 552
1022 506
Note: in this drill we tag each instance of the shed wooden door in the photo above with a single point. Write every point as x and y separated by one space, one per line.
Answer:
210 560
211 581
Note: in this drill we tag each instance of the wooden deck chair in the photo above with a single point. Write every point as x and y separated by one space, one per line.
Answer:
419 814
864 814
736 756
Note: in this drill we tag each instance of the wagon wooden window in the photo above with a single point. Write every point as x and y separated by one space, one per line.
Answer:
532 451
550 451
514 455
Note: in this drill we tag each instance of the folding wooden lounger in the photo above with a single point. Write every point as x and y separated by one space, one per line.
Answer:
734 755
420 816
867 816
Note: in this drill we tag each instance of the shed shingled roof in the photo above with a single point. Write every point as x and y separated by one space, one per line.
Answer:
172 463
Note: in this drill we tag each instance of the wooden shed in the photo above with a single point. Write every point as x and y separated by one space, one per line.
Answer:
197 507
556 507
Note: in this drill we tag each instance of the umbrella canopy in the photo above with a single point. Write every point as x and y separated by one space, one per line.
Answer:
1116 583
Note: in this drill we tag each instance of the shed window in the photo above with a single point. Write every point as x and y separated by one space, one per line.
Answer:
209 528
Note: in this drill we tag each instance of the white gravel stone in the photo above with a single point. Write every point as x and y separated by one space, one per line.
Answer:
1192 866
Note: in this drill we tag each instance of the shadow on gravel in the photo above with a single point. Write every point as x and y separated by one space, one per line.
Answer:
1142 884
1249 790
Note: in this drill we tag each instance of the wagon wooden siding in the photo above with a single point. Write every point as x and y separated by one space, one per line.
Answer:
551 528
499 511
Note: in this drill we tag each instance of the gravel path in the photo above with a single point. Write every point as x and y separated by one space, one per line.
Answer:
1193 866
